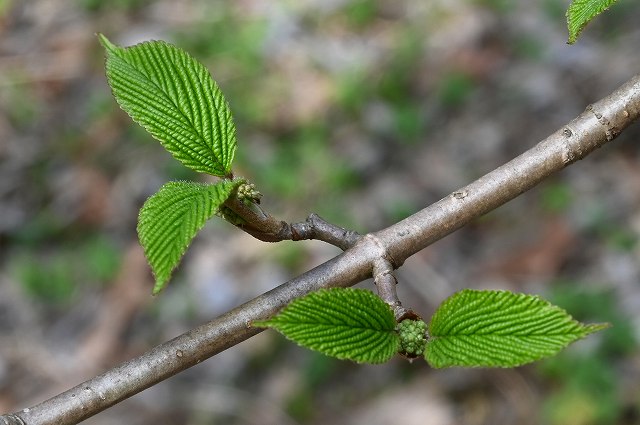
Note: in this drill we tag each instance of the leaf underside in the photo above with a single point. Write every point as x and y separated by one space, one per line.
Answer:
175 99
345 323
581 12
499 329
171 218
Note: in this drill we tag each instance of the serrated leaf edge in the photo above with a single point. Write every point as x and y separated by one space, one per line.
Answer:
220 105
574 35
161 283
276 322
584 330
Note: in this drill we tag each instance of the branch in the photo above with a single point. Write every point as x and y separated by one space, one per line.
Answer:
599 124
263 226
385 280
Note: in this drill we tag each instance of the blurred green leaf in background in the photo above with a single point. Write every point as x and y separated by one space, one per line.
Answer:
589 385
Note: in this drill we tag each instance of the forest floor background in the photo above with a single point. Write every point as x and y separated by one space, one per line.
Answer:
362 111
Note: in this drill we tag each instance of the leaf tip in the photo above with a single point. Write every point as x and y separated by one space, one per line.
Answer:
158 287
573 33
571 27
581 12
595 327
108 45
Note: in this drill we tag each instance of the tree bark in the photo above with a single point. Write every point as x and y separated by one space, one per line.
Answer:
599 124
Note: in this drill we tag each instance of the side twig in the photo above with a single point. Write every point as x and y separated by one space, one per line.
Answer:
386 283
600 123
263 226
384 278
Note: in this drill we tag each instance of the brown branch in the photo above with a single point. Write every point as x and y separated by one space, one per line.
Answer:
263 226
600 123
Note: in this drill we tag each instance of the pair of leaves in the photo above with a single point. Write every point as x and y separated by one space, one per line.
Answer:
581 12
470 329
175 99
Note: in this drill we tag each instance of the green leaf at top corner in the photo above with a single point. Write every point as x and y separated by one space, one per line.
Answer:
499 329
581 12
170 219
346 323
174 98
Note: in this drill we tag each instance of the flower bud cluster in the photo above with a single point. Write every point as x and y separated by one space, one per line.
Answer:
248 191
413 336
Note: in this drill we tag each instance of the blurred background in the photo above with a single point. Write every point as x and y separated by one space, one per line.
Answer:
362 111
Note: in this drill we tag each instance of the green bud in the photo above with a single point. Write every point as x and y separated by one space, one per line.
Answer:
413 336
248 193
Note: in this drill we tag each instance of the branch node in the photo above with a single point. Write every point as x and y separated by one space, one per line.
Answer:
460 194
383 252
610 131
383 274
571 147
335 235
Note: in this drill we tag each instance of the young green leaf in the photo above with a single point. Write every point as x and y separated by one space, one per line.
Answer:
346 323
581 12
499 329
175 99
170 219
